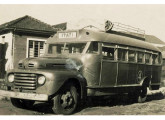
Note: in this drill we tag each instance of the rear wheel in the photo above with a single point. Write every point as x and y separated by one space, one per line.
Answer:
66 101
142 94
21 103
139 95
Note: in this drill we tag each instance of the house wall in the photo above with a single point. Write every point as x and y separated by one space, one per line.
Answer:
5 53
20 46
6 40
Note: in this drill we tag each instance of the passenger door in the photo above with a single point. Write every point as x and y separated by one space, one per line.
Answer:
108 65
132 71
123 66
156 68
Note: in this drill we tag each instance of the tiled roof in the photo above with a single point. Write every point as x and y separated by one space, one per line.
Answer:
61 26
27 23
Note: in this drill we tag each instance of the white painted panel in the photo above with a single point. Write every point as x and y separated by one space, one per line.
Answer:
7 39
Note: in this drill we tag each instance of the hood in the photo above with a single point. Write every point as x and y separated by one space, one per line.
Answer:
49 62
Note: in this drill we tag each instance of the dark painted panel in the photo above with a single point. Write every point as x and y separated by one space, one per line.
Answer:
140 70
109 73
132 73
2 60
156 74
148 71
122 73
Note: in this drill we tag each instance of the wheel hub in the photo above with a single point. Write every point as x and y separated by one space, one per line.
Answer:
67 100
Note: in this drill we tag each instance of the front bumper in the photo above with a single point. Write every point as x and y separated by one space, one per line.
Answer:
28 96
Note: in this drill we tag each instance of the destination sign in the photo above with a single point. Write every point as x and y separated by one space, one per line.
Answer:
67 35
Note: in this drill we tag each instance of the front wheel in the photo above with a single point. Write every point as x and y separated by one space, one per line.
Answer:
65 102
21 103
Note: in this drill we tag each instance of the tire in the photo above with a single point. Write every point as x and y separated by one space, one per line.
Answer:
133 96
21 103
142 94
66 101
139 95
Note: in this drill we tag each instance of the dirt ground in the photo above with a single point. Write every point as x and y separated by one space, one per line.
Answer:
118 105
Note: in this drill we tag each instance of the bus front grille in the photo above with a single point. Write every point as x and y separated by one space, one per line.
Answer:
25 81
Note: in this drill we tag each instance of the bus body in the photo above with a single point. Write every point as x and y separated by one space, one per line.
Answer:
82 63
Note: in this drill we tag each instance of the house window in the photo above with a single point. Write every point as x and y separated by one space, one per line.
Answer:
35 48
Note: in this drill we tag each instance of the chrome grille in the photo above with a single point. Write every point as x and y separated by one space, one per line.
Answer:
25 81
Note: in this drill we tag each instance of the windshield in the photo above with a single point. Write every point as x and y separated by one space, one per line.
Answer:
66 48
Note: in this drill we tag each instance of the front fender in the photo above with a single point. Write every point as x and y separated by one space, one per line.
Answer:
59 78
145 81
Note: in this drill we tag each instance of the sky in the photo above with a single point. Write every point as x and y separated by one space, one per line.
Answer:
149 17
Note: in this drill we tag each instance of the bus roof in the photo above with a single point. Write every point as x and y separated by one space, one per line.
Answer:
84 35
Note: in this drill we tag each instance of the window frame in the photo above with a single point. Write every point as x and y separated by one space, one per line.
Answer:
156 63
150 58
135 56
143 57
33 39
136 51
88 46
160 58
126 54
109 45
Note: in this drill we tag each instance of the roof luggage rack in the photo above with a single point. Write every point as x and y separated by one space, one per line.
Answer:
125 30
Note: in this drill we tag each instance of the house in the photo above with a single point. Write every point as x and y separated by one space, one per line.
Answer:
22 38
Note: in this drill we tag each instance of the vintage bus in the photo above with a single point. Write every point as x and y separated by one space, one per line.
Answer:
81 63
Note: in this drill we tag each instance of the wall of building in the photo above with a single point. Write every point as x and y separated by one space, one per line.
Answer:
20 46
6 40
5 53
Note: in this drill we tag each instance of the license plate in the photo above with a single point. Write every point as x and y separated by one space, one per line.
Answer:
30 96
68 35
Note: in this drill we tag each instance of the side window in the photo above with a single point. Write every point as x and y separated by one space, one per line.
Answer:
147 57
93 48
160 58
140 57
122 54
108 53
155 59
131 56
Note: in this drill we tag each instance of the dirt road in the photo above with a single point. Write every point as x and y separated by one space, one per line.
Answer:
155 105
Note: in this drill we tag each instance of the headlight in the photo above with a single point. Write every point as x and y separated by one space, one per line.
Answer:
41 80
11 78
